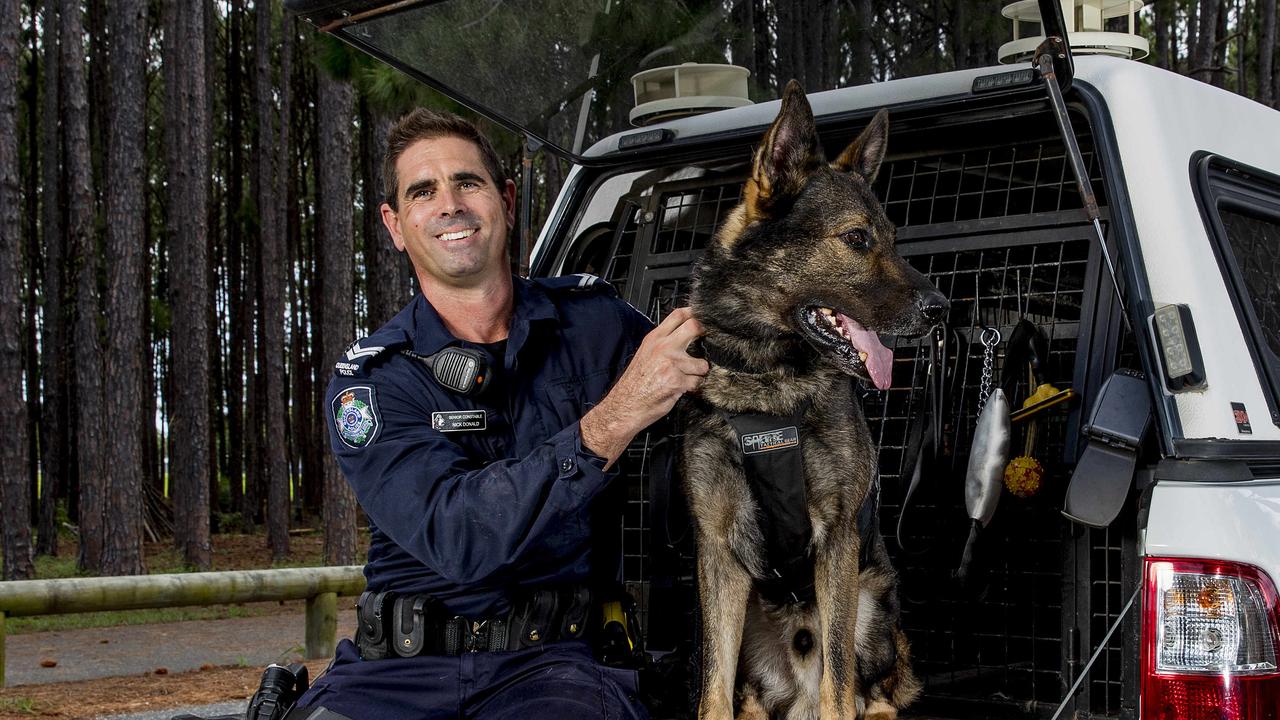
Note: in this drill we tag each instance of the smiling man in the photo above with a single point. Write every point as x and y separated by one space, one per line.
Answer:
478 429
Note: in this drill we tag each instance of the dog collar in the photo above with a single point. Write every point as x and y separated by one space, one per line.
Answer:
733 362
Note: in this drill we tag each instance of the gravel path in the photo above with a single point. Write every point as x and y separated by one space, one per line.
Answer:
173 647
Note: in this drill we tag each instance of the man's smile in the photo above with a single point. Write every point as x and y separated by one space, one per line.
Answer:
456 235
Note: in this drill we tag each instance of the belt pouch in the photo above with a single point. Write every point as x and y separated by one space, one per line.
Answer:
577 609
409 625
371 630
534 618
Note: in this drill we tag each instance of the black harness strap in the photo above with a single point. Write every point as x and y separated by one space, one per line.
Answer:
774 467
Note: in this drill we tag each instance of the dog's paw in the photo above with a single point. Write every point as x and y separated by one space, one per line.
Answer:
880 710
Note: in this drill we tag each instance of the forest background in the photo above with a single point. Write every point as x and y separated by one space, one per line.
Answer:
189 237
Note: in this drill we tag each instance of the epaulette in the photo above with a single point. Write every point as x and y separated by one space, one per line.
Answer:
361 356
577 283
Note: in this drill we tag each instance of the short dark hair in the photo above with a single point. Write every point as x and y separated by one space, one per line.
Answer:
424 124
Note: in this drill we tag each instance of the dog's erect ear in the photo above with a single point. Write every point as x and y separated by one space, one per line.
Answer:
863 155
787 155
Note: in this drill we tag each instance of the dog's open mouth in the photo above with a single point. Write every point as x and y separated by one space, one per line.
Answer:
856 349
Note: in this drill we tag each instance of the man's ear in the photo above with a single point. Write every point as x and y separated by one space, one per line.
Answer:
508 193
391 219
864 155
787 155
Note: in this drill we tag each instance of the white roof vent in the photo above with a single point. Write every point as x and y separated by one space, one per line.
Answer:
1086 23
689 89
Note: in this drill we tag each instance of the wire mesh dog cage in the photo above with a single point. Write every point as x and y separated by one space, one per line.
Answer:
994 221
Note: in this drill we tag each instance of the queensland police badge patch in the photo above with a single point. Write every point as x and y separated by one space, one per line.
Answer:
355 413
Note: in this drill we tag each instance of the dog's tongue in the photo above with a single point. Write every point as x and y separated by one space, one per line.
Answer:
879 360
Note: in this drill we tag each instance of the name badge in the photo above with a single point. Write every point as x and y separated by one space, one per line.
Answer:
770 440
459 420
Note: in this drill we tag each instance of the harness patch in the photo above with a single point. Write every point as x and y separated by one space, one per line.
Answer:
459 420
770 440
355 414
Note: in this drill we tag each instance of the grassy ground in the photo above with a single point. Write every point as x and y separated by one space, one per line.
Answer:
230 552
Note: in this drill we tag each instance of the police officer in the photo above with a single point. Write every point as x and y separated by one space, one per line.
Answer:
480 504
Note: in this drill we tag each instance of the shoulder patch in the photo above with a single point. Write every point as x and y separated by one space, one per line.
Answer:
360 355
355 415
577 283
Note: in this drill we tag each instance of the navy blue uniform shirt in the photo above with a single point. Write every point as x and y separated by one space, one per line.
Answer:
501 498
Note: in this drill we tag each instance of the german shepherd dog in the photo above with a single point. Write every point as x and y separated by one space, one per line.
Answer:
792 292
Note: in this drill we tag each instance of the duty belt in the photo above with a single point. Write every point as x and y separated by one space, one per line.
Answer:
394 625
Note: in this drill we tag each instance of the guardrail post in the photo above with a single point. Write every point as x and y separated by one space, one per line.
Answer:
322 625
2 638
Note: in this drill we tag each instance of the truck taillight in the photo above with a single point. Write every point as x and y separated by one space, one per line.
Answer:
1210 638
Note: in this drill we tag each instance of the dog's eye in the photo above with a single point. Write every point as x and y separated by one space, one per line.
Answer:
857 239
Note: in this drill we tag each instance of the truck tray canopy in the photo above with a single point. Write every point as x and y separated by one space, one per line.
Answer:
556 70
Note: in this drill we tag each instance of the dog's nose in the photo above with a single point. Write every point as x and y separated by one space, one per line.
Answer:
933 306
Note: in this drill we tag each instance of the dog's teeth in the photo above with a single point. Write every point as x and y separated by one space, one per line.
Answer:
862 356
827 311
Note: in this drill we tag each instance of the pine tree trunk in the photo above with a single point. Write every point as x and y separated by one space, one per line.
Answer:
1161 22
860 41
273 278
187 151
315 373
742 39
789 57
309 476
235 259
388 270
15 498
1202 54
54 446
1242 42
284 216
89 402
34 263
94 22
763 45
125 198
1267 53
335 269
1219 76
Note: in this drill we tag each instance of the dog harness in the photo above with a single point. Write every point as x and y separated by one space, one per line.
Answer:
774 467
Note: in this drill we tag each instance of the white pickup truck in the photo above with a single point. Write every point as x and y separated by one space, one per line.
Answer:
1136 582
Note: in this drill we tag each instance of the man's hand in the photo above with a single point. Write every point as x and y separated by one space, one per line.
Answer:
661 371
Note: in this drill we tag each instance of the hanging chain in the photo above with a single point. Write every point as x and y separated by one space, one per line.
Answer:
990 338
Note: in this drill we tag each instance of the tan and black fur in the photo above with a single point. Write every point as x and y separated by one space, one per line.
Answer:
794 244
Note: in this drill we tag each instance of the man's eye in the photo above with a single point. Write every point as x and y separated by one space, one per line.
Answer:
421 195
856 239
468 185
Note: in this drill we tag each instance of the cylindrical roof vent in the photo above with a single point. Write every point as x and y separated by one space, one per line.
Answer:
689 89
1086 29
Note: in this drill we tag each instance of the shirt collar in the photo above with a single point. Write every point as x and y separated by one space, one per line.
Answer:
531 304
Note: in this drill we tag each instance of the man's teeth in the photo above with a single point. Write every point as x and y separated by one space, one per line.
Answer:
457 235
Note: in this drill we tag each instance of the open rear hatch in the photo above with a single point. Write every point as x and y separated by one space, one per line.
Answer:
556 71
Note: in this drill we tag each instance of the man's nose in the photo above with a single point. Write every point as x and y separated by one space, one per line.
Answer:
450 202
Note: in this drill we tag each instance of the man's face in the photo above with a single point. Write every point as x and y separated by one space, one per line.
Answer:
452 219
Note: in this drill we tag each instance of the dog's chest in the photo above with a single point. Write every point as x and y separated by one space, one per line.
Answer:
807 469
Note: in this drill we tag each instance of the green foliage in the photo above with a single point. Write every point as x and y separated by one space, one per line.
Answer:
230 522
49 567
24 705
161 317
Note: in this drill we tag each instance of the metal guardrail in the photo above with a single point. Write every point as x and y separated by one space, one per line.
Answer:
319 586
